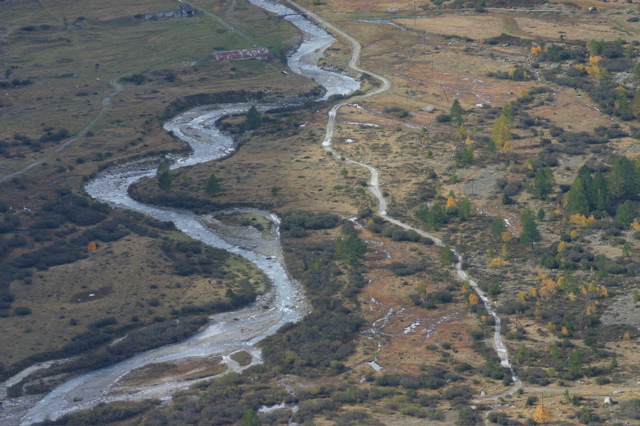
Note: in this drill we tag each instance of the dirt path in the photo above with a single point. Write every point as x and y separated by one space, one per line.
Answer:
105 103
374 188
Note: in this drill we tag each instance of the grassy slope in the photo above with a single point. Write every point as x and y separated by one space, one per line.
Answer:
51 57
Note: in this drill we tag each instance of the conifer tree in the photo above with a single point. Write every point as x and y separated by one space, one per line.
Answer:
253 119
623 179
507 111
447 257
165 180
213 185
456 112
574 363
464 208
530 233
625 213
543 183
600 191
501 131
434 217
577 203
497 227
354 249
541 415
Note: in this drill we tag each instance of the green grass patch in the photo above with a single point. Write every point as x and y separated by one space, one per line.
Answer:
243 358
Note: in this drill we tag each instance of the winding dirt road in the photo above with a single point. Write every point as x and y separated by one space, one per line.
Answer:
374 188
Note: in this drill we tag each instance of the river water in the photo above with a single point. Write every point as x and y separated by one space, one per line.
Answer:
230 332
239 330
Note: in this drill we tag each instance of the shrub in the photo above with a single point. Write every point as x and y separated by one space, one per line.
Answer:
135 78
498 417
512 188
21 310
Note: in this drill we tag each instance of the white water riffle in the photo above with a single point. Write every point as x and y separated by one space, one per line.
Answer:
229 333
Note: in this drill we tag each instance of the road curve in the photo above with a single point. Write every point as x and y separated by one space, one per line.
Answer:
374 188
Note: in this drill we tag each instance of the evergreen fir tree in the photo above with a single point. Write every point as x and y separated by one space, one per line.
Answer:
623 179
600 192
497 228
354 249
213 185
587 184
447 257
578 201
574 363
456 112
464 208
507 111
625 213
165 180
253 119
530 233
543 183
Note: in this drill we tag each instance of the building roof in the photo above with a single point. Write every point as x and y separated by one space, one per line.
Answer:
242 54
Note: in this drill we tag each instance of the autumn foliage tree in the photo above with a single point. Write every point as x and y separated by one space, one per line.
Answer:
501 132
541 415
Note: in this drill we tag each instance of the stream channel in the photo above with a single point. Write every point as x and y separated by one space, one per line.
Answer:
239 330
229 332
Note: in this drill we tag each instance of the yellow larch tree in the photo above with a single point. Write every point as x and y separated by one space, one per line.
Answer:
497 262
593 60
541 415
548 289
451 202
507 148
536 50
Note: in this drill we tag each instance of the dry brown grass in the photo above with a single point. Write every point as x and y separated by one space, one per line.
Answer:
476 27
573 29
125 277
423 73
